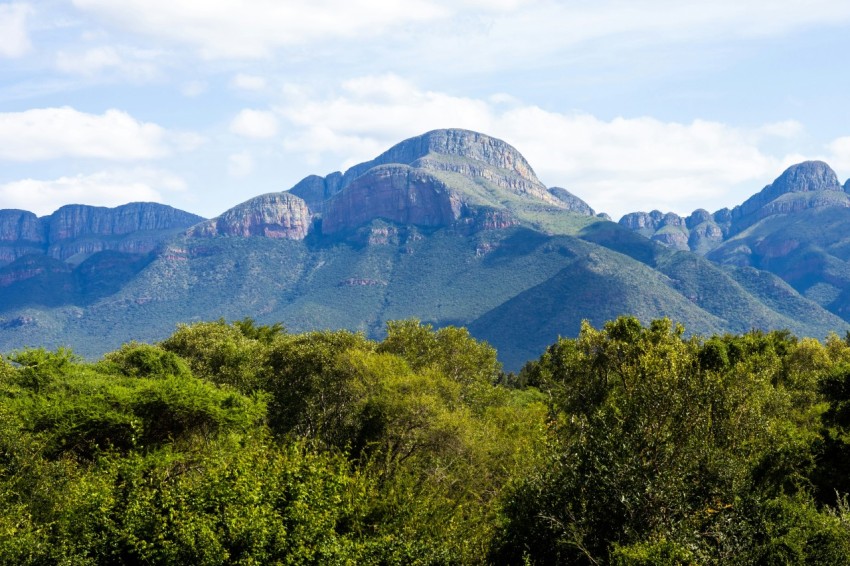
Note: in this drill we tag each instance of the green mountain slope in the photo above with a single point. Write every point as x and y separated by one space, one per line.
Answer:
603 285
809 249
451 227
515 287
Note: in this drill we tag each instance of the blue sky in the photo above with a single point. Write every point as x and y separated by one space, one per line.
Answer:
202 104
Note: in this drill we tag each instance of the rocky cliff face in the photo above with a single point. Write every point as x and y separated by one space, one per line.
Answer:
808 185
669 229
465 144
433 180
74 232
274 215
315 190
77 231
811 184
21 233
644 222
705 230
572 202
74 221
397 193
20 226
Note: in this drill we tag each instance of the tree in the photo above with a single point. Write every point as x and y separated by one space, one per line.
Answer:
659 440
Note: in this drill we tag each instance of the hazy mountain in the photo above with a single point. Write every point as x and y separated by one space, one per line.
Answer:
75 232
810 185
798 228
452 227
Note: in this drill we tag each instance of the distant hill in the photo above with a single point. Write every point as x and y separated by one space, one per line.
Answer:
798 228
451 227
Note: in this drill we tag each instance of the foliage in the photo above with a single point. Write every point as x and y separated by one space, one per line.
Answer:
666 449
145 360
244 444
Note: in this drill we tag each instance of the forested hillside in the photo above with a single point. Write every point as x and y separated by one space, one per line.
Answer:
235 443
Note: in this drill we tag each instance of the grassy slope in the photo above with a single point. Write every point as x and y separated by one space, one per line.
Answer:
809 249
518 288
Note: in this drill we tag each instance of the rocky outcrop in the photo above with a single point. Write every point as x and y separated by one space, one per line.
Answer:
397 193
477 156
20 226
273 215
648 223
21 233
315 190
807 185
572 202
641 221
452 142
697 217
460 169
811 184
75 221
484 218
509 181
675 238
705 233
74 232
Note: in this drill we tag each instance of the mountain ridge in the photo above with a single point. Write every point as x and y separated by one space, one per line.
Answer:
803 186
451 227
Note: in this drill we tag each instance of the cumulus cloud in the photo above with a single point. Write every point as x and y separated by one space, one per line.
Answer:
838 154
50 133
255 124
105 188
14 38
618 165
239 29
256 28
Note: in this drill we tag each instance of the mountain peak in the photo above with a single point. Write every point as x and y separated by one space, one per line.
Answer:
452 143
273 215
808 176
810 184
439 178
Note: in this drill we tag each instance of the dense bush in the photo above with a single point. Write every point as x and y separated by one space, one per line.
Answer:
244 444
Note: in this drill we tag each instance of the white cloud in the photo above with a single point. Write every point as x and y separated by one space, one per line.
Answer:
787 129
50 133
839 154
248 82
240 164
255 124
240 29
14 38
450 29
105 188
372 112
90 62
95 61
617 165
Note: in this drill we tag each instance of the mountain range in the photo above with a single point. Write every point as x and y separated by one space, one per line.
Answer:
451 227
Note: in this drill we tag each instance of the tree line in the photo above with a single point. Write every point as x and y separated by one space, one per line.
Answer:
239 443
